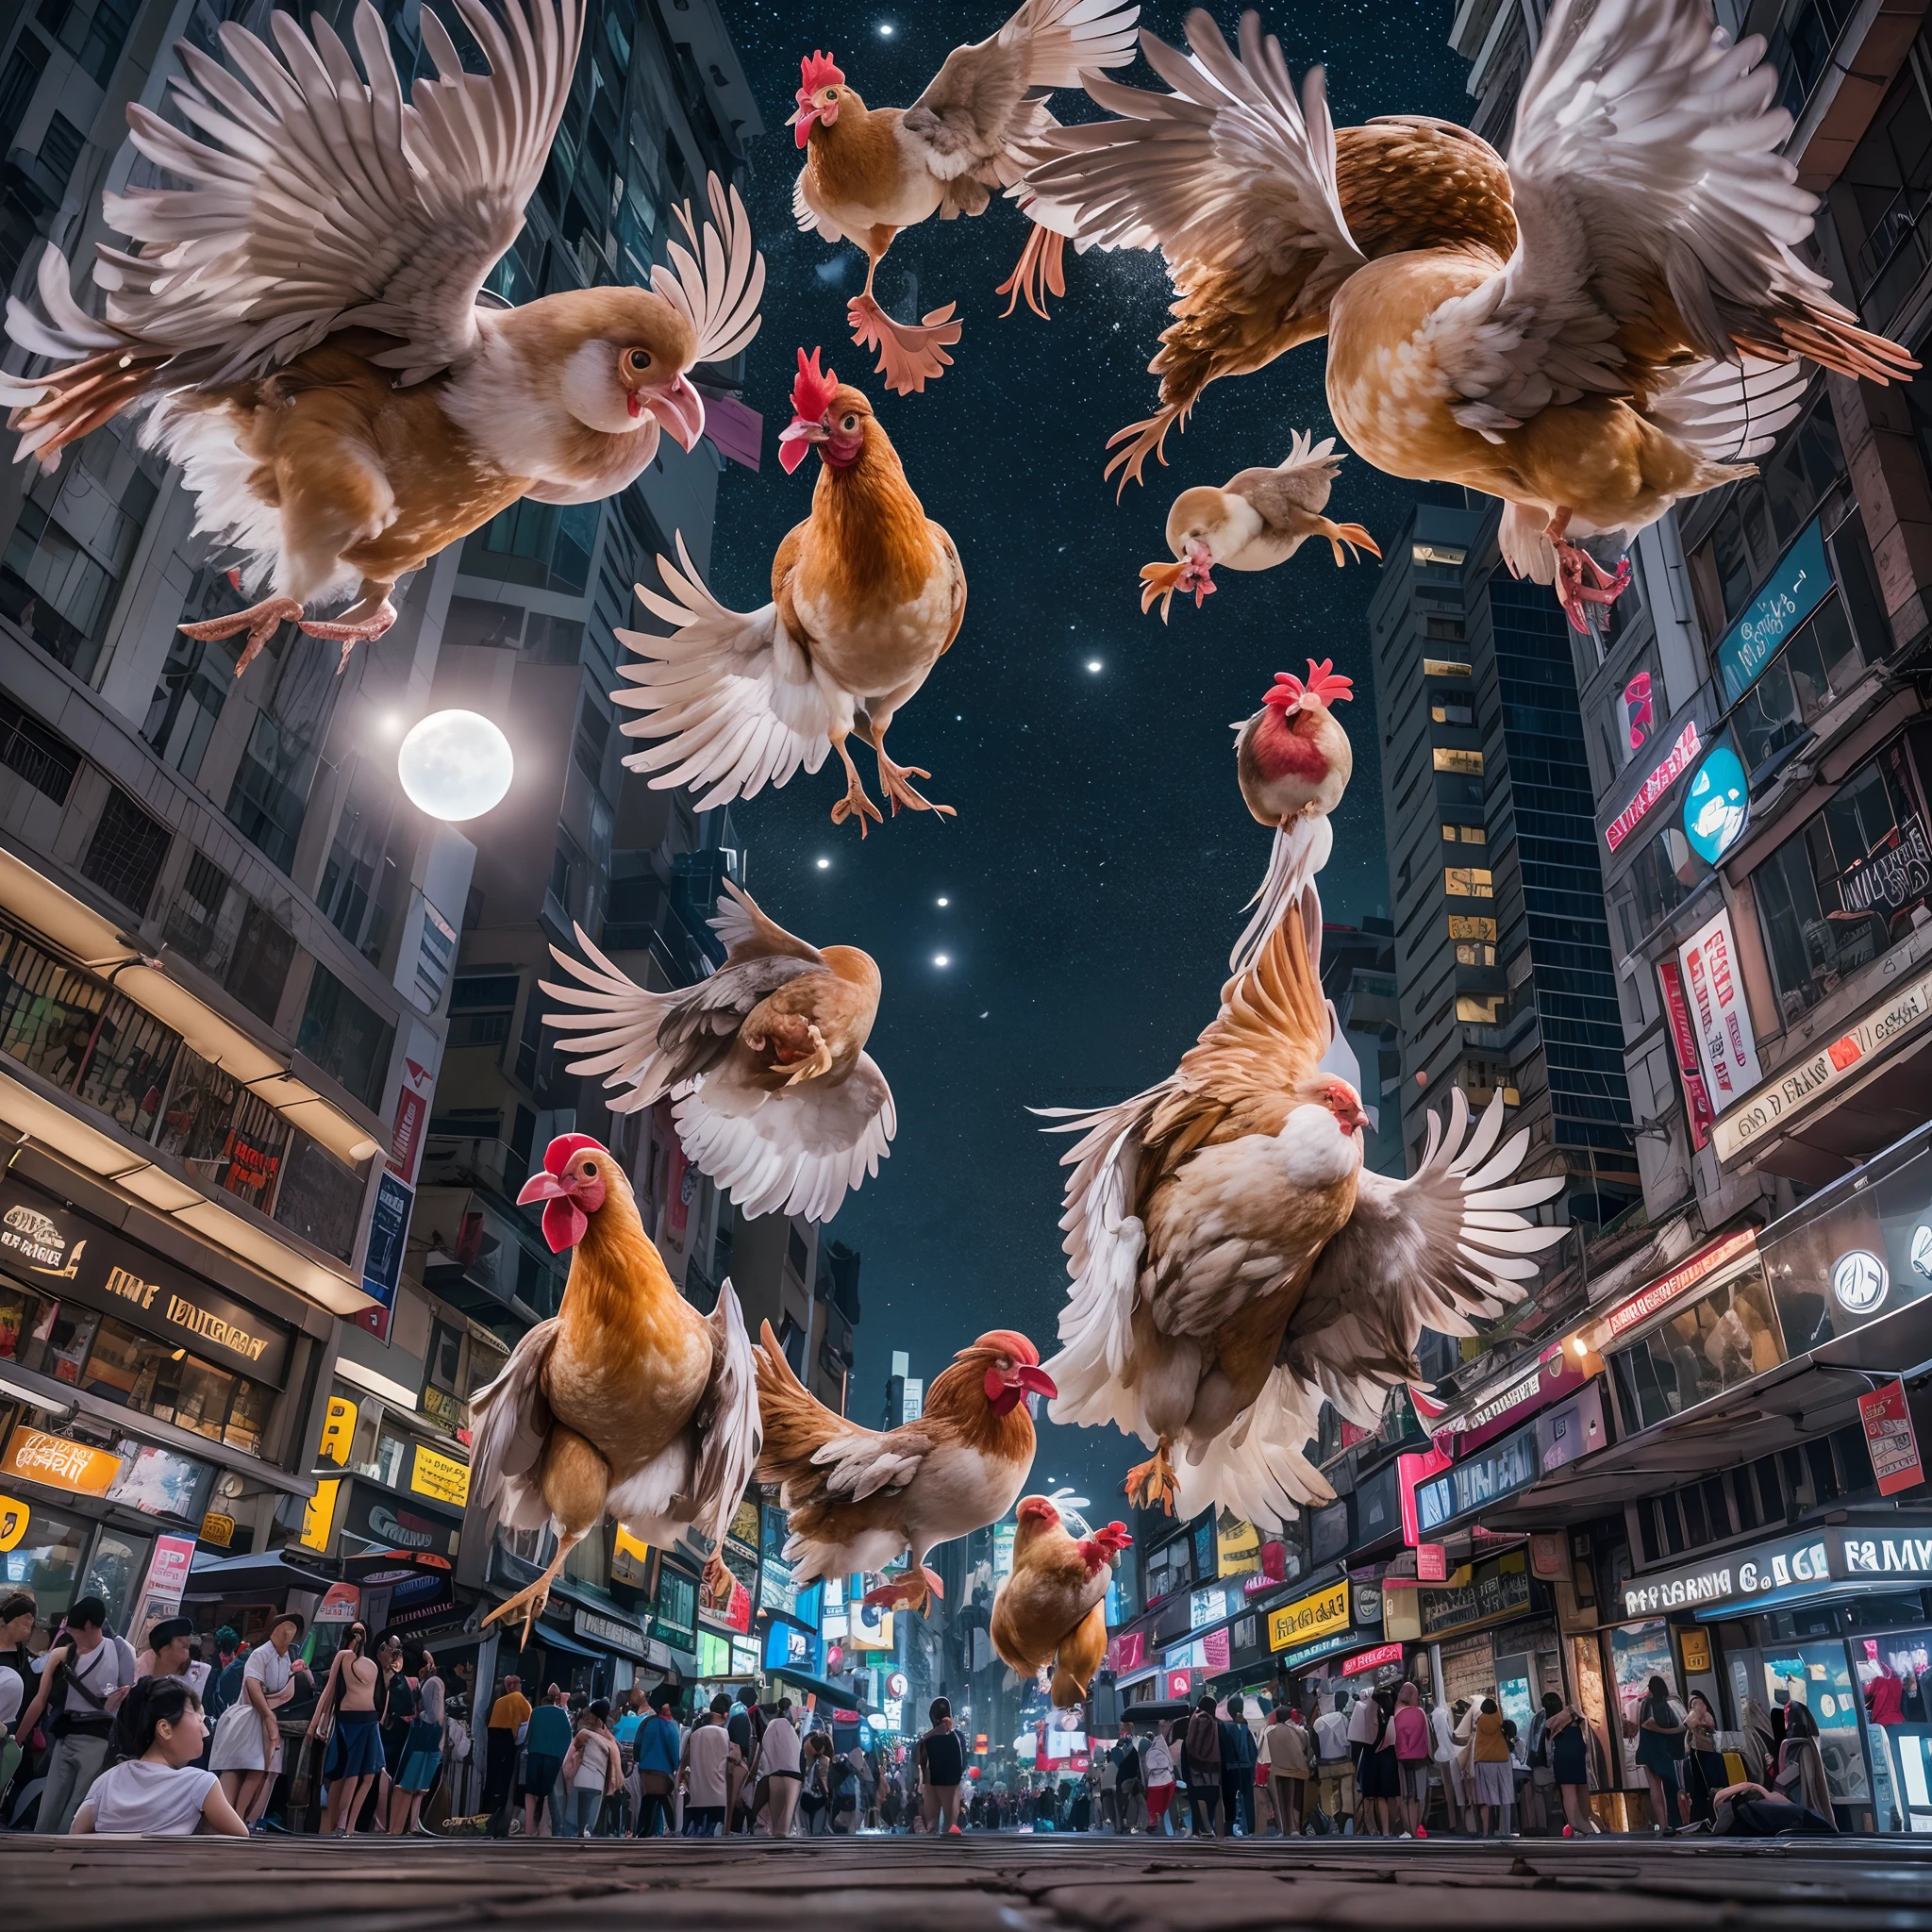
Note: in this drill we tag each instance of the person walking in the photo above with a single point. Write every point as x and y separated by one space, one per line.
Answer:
1495 1772
1202 1767
743 1724
1445 1722
546 1744
659 1751
942 1770
422 1753
709 1752
1659 1743
396 1708
19 1614
780 1764
813 1796
1335 1767
589 1772
247 1750
83 1676
509 1717
1413 1744
1284 1765
1565 1743
1130 1791
1157 1768
157 1788
345 1715
1237 1755
1377 1774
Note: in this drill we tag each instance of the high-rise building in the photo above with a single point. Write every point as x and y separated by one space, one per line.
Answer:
1501 956
1359 976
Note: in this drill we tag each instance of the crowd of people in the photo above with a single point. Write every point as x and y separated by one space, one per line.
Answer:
161 1741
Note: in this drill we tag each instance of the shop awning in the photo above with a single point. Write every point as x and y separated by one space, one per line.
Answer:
225 1579
823 1688
547 1637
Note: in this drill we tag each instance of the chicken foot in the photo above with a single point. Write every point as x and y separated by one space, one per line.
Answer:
1039 272
1581 581
363 623
261 621
910 354
1152 1479
893 777
854 803
532 1597
1350 534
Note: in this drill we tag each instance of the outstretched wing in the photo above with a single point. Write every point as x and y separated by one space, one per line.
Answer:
1436 1251
1655 216
821 1458
987 100
511 1420
1296 488
796 1151
729 1430
319 201
730 692
718 295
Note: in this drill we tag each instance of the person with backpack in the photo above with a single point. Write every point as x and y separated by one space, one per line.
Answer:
1238 1757
1414 1744
84 1676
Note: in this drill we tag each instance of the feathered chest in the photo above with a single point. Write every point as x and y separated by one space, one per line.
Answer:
863 172
1282 749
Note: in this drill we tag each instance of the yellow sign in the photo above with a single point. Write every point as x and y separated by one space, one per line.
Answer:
338 1430
217 1528
59 1463
1237 1545
13 1520
628 1560
1319 1615
1696 1645
319 1515
442 1476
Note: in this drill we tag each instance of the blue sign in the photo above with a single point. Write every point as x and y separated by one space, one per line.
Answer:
389 1233
1717 804
1796 586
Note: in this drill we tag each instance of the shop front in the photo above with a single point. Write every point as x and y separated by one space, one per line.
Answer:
1310 1637
1494 1636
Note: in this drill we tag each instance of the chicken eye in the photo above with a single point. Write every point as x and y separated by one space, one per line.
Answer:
831 95
848 423
635 362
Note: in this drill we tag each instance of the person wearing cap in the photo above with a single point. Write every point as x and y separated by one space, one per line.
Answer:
169 1653
247 1750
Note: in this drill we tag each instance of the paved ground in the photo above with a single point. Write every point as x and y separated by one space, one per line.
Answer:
1014 1884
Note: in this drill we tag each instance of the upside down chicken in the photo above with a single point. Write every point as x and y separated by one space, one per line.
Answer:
627 1402
1614 321
857 1499
1051 1610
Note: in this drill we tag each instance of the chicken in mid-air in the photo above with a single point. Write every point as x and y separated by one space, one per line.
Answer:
1293 761
1051 1610
857 1499
870 171
867 595
1234 1262
300 325
1618 325
627 1402
772 1090
1256 519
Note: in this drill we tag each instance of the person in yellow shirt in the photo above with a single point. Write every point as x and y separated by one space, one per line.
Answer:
509 1715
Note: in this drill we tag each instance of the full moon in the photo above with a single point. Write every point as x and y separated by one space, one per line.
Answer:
454 765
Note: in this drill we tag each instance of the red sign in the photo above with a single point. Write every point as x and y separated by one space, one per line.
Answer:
1214 1649
1431 1563
1409 1470
1126 1652
1181 1684
1890 1435
1684 1040
1654 787
1372 1659
1686 1274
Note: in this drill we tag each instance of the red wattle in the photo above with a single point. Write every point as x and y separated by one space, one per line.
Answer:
564 1223
632 403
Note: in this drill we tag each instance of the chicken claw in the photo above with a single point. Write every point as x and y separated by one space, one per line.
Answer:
1350 534
529 1600
910 354
349 633
892 782
1039 272
259 620
1152 1478
1576 591
716 1577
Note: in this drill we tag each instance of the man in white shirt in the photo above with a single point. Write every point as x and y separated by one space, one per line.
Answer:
84 1675
778 1762
1336 1773
1442 1721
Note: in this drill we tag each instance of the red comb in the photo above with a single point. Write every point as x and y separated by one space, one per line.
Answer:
1289 689
557 1156
811 393
816 71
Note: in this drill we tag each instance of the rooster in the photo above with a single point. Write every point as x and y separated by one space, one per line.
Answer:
1256 519
1622 322
1234 1262
772 1090
1293 761
1053 1609
870 171
854 1499
867 594
300 325
626 1402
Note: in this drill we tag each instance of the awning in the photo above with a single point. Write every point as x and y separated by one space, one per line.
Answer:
226 1579
546 1637
823 1688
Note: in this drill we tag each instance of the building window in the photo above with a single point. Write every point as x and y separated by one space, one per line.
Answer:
1467 882
353 879
482 1005
1453 714
320 1197
1483 1079
259 970
1470 953
1834 895
1445 667
1467 835
1815 669
1434 555
124 856
1449 758
1479 1009
32 752
1665 871
153 1379
345 1037
195 681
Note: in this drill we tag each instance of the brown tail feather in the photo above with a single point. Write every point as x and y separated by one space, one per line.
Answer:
796 1424
1846 348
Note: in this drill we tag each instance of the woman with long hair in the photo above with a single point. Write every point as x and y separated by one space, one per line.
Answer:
1801 1767
18 1616
1758 1743
1659 1738
354 1742
1704 1763
156 1788
1566 1745
422 1756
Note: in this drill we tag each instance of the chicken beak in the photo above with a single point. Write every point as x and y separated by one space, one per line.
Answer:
541 1187
795 441
1037 1381
680 410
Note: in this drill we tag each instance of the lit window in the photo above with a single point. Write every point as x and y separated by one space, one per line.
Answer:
1467 882
1470 835
1468 952
1448 758
1464 925
1436 553
1445 667
1479 1009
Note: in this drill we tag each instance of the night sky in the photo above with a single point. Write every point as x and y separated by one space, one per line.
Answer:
1101 856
